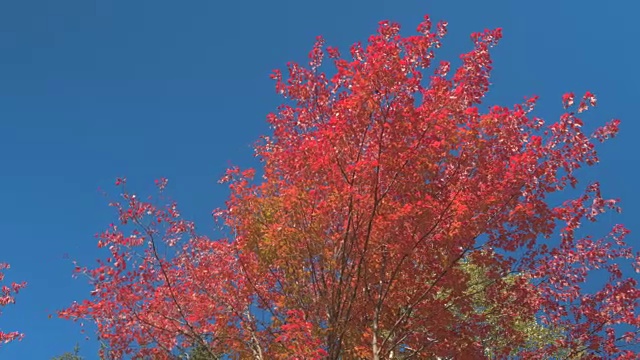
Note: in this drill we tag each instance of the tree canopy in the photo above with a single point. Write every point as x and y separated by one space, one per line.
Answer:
393 218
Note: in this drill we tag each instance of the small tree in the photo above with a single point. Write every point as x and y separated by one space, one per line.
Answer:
74 355
394 220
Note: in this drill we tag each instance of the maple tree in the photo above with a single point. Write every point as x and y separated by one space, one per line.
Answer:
393 219
7 296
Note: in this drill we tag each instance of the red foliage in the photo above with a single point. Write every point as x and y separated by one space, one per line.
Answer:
378 183
7 294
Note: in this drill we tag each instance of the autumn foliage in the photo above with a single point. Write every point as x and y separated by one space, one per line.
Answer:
394 218
7 293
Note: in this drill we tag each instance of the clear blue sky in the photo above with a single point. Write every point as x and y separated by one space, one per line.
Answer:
92 90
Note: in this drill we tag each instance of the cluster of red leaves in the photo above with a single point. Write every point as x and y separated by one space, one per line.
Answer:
7 294
297 336
378 184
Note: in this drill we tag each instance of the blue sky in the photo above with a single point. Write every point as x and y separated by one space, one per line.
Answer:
93 90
